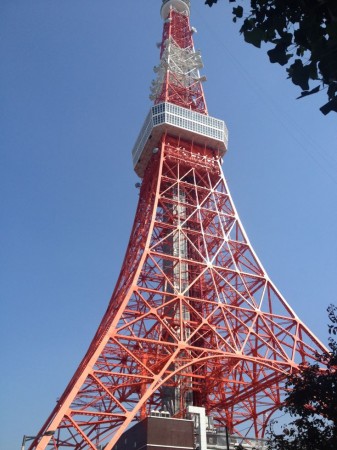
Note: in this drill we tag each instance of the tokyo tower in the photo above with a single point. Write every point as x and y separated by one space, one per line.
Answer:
194 319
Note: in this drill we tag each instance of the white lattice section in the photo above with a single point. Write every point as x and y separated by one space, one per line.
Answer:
183 63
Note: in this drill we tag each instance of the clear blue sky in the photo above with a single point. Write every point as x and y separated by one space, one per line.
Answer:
74 85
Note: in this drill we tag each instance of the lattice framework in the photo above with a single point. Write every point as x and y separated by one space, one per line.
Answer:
194 317
197 320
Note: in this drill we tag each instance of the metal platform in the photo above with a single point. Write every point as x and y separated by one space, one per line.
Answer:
178 121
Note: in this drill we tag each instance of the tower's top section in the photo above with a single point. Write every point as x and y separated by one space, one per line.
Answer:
178 79
179 103
182 6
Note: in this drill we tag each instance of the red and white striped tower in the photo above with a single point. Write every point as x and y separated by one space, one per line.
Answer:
194 318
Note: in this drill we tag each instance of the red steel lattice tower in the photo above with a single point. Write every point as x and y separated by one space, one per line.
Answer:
194 318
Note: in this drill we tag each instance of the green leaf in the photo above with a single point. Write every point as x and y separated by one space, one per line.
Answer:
238 12
328 107
286 39
332 91
300 74
210 2
248 24
279 55
254 37
306 93
301 38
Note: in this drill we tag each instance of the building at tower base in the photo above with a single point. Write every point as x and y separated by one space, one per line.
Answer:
158 432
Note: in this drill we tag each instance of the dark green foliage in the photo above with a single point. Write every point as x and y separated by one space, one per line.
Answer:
302 29
332 311
312 403
210 2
